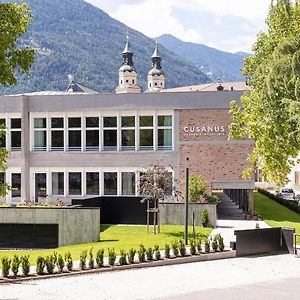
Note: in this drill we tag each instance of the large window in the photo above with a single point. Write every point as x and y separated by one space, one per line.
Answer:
58 183
92 183
40 134
164 133
74 133
15 134
15 185
110 135
2 133
2 177
110 183
92 134
128 133
57 134
74 183
146 132
128 183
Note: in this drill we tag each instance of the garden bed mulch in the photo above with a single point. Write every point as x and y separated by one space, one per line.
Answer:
136 265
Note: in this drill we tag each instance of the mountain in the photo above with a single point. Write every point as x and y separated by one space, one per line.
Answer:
74 37
215 63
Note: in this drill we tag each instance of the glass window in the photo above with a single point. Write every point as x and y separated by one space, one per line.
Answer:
58 183
110 139
2 123
15 185
92 121
15 123
92 183
74 183
2 139
40 140
74 122
146 121
109 121
164 120
57 140
92 139
146 139
15 140
164 138
74 140
39 123
128 183
2 177
57 122
128 139
128 121
168 188
110 183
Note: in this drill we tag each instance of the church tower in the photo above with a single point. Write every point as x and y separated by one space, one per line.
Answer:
156 77
127 73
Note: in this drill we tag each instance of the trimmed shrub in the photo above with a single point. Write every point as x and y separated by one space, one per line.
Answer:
5 262
157 252
25 265
199 245
149 254
91 259
69 261
55 257
60 263
50 263
142 253
220 242
182 248
82 260
193 247
100 258
214 244
122 258
204 217
15 264
206 246
167 251
111 257
40 265
131 255
175 249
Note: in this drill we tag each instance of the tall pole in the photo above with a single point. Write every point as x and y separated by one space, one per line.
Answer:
186 201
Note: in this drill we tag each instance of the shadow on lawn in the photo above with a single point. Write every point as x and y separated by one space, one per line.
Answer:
180 234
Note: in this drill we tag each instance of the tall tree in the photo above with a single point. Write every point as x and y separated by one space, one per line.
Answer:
270 113
14 21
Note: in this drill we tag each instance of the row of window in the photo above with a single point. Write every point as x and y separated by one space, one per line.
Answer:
107 133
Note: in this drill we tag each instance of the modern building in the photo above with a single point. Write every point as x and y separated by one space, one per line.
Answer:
80 143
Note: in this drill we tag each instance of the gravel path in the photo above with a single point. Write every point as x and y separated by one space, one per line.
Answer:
154 283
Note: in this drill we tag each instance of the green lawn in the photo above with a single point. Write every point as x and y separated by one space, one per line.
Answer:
118 237
275 214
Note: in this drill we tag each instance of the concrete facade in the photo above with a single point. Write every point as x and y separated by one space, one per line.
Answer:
75 225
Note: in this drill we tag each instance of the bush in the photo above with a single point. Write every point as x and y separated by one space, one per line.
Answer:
5 262
111 257
214 244
197 188
204 217
69 261
82 260
15 264
40 265
100 258
175 249
167 251
192 247
25 265
149 254
60 263
55 257
199 245
50 263
157 252
142 253
122 258
131 255
206 246
220 242
212 199
182 248
91 259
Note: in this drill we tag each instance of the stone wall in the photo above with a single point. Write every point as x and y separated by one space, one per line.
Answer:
76 225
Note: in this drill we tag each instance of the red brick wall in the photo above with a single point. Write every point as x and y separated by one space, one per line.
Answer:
210 154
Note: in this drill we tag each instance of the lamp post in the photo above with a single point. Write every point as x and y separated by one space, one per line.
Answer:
186 224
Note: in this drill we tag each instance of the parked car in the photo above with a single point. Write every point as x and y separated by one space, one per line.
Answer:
287 193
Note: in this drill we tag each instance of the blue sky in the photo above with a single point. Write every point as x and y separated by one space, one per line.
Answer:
229 25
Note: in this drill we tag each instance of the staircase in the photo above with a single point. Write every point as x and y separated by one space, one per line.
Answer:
227 209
